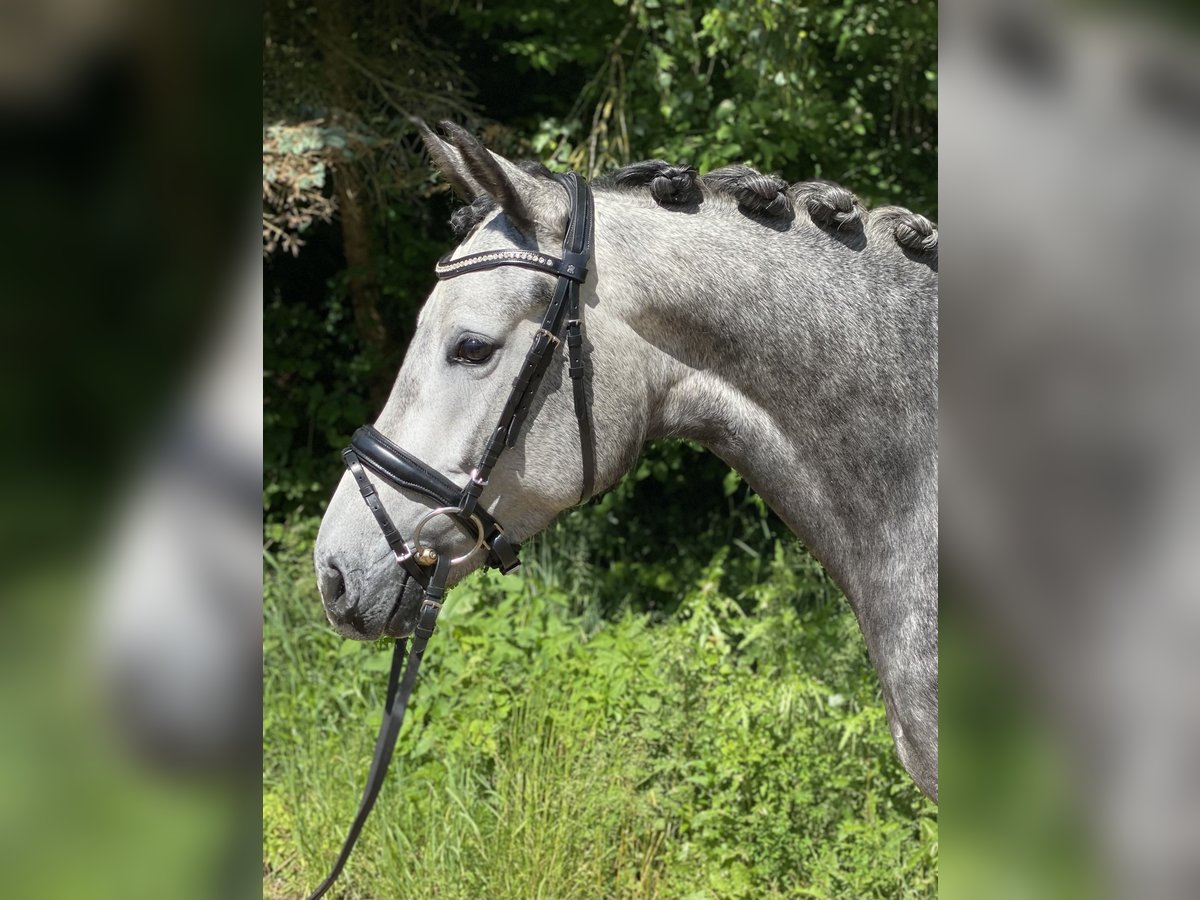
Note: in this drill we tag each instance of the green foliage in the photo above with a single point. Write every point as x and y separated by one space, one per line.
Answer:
294 177
829 89
320 382
315 396
733 747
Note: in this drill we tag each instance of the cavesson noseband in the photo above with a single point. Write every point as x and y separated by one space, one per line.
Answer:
372 452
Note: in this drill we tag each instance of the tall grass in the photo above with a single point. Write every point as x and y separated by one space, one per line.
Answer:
561 745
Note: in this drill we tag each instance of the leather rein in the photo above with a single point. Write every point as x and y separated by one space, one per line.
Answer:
372 452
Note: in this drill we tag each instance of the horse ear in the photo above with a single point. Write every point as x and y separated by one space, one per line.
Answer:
528 199
447 160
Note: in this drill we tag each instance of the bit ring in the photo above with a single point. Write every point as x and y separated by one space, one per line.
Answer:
454 513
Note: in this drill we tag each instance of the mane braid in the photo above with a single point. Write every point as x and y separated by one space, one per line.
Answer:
912 231
669 185
753 191
830 206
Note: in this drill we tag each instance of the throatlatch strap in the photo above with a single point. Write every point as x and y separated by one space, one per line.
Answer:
399 689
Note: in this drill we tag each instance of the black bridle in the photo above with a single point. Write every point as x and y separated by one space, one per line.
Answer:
371 451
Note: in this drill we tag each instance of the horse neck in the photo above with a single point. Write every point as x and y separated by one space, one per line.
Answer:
805 362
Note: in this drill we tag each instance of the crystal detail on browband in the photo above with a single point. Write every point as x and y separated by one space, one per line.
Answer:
444 268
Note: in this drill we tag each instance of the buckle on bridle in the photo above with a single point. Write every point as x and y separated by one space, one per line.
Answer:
554 338
475 479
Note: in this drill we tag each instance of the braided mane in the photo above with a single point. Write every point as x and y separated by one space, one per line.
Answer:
764 197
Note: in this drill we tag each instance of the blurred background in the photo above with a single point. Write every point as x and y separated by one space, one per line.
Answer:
1070 721
140 323
130 290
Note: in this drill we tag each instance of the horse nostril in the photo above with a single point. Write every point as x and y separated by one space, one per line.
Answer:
341 597
332 584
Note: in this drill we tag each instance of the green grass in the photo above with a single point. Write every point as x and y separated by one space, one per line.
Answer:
565 745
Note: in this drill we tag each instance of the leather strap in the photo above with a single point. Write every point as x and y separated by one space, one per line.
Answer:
391 533
537 361
579 241
399 689
583 411
577 250
402 470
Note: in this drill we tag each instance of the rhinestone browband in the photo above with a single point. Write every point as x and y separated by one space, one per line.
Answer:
445 267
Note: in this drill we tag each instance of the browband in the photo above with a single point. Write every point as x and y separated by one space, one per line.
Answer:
572 265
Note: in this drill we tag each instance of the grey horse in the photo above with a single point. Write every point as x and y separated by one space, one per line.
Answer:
787 329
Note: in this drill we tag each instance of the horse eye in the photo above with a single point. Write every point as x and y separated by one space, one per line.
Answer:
473 349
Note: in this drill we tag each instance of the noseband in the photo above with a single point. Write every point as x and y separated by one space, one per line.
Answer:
372 452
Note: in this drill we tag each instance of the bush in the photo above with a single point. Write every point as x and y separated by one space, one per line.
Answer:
734 746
